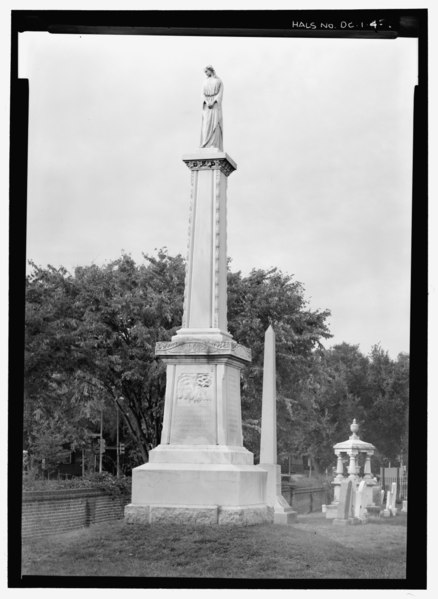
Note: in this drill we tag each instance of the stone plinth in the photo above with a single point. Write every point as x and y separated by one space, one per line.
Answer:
331 511
203 484
283 512
195 515
197 493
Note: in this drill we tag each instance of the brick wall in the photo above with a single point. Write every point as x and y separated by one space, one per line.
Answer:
51 512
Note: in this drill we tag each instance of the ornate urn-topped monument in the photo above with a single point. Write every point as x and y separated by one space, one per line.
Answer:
352 448
200 472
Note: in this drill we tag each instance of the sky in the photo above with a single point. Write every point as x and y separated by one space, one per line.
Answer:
321 131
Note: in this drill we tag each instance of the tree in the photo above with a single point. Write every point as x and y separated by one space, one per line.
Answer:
342 384
388 411
97 330
54 412
90 338
274 298
345 384
90 342
127 309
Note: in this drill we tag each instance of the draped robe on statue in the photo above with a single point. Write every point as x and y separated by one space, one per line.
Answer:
211 132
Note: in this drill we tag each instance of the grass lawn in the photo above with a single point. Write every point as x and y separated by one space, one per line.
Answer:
313 548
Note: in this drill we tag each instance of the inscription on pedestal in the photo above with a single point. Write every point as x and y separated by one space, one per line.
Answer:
194 407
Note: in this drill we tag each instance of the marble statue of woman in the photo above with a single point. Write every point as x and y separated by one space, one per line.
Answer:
211 131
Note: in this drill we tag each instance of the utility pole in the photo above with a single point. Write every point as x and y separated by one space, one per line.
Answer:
101 441
117 441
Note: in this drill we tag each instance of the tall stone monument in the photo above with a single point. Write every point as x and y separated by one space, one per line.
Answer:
283 513
200 472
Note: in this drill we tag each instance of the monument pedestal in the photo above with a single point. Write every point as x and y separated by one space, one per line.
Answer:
201 473
283 512
198 493
331 511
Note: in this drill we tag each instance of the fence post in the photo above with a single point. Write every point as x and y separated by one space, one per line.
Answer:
398 485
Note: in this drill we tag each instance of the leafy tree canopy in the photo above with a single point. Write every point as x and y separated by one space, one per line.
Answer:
90 340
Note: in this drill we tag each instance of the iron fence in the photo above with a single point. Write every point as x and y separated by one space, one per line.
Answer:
399 478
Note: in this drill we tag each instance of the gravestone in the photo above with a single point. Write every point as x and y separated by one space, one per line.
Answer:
283 513
377 497
359 507
387 511
374 510
344 511
393 499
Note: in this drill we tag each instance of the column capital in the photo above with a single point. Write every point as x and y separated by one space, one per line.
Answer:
210 159
199 348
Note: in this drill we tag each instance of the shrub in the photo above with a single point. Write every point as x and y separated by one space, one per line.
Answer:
105 481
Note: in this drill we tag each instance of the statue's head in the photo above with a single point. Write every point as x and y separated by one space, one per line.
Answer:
209 71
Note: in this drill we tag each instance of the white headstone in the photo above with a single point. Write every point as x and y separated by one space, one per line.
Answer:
358 506
387 511
393 494
388 500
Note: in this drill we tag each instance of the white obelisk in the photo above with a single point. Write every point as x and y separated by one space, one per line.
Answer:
283 513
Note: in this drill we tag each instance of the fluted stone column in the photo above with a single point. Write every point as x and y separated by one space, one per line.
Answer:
205 295
352 466
367 467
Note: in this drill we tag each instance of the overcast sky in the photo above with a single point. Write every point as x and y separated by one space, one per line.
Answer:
321 131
